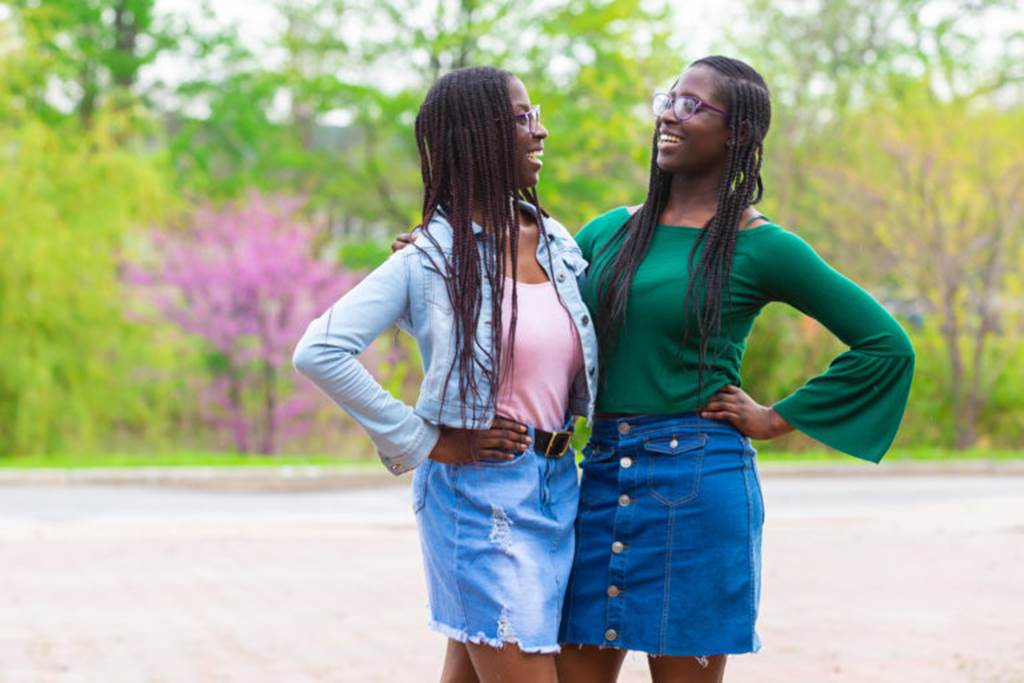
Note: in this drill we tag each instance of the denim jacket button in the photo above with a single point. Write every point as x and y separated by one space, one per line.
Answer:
585 320
561 277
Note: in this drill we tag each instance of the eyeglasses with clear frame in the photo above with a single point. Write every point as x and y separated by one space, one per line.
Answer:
685 107
530 119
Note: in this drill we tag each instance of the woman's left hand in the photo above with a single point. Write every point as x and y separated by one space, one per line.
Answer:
402 240
733 405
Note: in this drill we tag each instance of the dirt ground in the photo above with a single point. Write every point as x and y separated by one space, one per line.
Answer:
905 580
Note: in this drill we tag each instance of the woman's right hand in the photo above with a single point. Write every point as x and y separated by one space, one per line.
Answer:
750 418
501 441
403 240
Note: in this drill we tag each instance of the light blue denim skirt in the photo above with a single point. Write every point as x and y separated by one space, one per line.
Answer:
668 557
497 540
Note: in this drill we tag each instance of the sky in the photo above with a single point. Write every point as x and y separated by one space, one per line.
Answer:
258 22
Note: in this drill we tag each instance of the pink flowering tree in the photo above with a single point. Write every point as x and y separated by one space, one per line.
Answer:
245 280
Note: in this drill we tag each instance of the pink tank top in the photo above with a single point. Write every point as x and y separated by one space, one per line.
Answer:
547 357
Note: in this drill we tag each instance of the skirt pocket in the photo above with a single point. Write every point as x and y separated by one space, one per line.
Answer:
517 457
419 485
672 467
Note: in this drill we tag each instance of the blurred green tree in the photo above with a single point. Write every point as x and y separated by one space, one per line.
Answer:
95 49
76 369
867 144
892 151
939 209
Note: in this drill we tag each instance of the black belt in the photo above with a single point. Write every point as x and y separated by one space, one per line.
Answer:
551 444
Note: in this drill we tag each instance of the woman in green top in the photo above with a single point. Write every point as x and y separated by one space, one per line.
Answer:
669 525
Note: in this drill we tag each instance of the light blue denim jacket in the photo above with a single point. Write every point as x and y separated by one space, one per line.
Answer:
408 290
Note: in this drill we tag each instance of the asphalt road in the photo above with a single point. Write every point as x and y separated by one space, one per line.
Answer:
866 579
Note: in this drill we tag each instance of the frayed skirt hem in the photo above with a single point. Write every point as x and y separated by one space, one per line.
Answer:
479 638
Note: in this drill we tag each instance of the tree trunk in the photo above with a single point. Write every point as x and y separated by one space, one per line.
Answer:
90 93
238 424
269 409
963 425
126 33
467 42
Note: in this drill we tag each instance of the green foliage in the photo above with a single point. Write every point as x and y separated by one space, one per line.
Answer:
237 146
75 368
937 209
351 459
611 57
895 149
182 458
94 49
363 255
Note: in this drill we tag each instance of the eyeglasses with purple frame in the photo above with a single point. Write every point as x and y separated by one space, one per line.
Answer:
683 106
530 118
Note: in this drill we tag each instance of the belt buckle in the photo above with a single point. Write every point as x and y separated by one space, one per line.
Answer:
567 441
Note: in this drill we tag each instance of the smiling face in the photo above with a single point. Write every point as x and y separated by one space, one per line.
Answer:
699 143
529 146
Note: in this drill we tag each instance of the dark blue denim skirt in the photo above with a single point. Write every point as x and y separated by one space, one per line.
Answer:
668 539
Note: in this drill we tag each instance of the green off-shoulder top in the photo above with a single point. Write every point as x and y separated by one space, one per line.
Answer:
855 406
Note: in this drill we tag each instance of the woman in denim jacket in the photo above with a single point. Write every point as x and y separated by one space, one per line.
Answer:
489 291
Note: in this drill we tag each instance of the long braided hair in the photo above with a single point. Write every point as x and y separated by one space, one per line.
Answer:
748 106
465 133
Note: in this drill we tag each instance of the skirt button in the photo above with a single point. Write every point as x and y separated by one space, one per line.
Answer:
611 634
626 462
613 592
618 547
624 500
624 428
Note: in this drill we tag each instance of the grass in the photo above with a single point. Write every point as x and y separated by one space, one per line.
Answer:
177 459
208 459
924 454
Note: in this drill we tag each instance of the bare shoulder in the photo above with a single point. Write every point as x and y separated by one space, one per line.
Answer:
752 218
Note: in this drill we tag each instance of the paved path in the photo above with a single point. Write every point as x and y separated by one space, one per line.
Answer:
866 579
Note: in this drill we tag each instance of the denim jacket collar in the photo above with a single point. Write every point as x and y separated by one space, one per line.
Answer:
479 229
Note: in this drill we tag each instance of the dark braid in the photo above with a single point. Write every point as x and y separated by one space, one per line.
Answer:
467 146
748 106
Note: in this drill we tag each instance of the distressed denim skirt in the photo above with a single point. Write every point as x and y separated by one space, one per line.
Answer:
497 540
668 554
